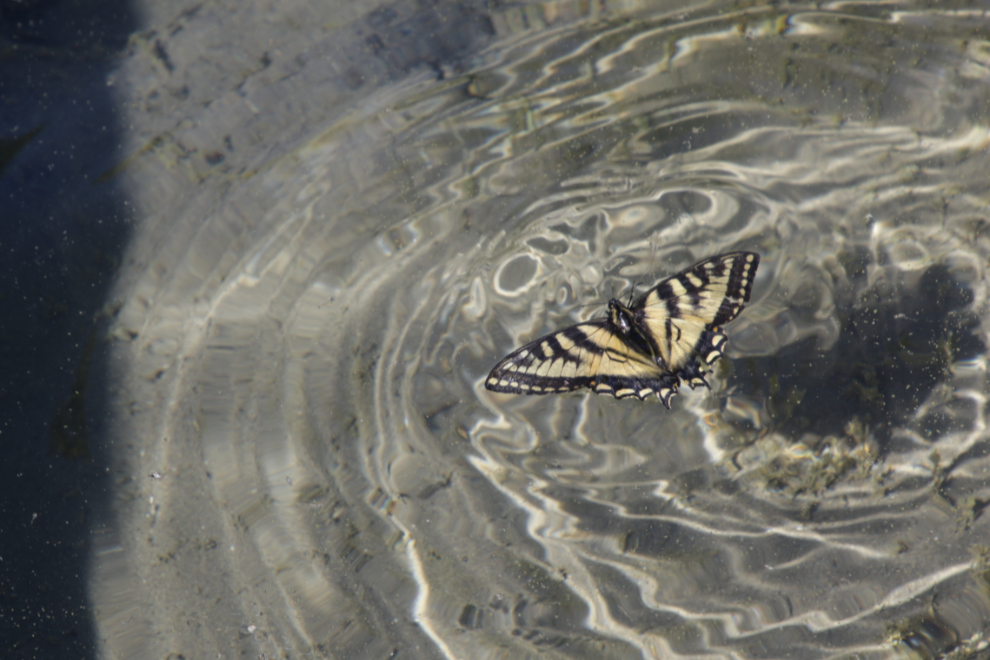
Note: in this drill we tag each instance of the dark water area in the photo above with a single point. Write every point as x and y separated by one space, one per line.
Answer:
62 235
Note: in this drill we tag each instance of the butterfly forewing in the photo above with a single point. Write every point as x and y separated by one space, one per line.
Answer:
559 362
686 312
643 349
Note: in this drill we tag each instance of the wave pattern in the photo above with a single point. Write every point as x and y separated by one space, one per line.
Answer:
304 366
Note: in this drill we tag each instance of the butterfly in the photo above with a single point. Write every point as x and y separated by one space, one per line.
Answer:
645 348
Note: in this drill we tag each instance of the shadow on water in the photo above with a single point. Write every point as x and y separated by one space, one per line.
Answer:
62 235
898 343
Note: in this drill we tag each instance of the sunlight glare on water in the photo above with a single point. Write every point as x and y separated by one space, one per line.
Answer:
301 356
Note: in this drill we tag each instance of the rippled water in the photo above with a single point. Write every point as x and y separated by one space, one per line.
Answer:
300 345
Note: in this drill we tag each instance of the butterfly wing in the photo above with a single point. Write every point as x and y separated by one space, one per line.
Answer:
685 313
591 355
642 350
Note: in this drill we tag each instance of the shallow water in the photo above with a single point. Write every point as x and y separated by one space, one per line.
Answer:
301 335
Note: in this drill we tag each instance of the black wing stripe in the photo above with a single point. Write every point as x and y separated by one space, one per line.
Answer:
741 279
550 349
582 339
726 312
665 292
738 289
693 290
718 268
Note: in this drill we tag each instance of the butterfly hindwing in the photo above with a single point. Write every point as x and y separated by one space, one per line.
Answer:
643 385
670 333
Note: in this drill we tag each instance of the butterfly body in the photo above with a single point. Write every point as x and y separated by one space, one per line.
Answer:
648 347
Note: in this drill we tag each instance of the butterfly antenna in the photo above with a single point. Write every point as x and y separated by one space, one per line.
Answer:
632 294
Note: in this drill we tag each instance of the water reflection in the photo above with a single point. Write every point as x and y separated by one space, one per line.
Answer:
302 359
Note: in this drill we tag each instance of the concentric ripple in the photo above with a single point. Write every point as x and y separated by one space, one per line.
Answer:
300 358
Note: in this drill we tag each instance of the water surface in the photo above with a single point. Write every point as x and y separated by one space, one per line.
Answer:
303 327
